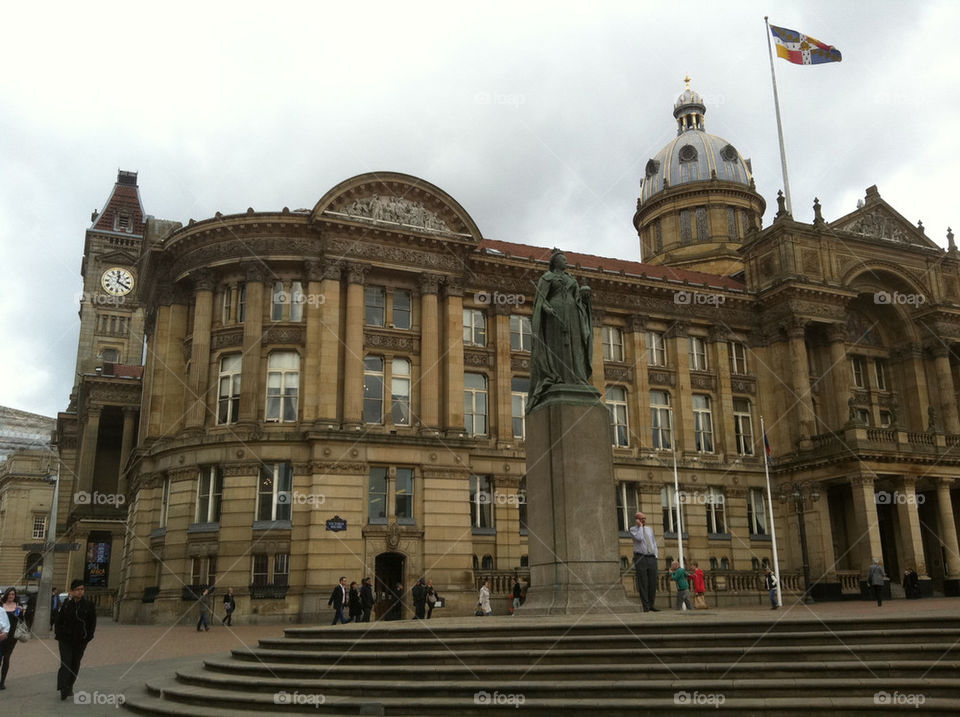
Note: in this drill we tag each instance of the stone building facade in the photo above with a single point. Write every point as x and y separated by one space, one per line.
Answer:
340 391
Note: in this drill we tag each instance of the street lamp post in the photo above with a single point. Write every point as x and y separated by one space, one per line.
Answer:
798 492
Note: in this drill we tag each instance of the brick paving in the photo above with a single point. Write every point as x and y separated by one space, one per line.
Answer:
123 657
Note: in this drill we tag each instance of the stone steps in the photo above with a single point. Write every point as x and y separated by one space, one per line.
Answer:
583 667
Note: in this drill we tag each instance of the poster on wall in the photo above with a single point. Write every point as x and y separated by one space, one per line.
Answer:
97 571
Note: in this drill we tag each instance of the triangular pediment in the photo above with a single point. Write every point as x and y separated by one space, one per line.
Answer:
117 257
878 220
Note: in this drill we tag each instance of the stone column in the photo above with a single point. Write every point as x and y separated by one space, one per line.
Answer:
353 348
331 341
911 540
88 451
251 396
800 380
835 404
200 350
453 335
948 537
429 382
865 517
500 395
312 309
725 435
598 378
163 406
126 444
678 355
948 392
823 568
507 519
915 386
640 396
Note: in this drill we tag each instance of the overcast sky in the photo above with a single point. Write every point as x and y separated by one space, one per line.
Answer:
537 117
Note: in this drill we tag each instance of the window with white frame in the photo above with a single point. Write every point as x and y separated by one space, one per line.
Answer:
474 327
373 389
886 419
228 400
863 416
757 511
401 309
297 300
521 336
400 391
260 569
203 570
668 504
374 302
283 386
656 349
715 503
737 352
612 343
661 419
39 527
281 569
628 505
209 495
519 390
859 371
227 305
403 494
481 501
164 502
475 404
743 426
274 494
277 301
702 423
617 405
242 303
880 372
698 353
377 495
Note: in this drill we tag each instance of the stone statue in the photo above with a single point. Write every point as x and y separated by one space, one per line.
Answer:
852 410
562 327
932 420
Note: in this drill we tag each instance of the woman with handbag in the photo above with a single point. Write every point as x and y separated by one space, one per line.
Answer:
699 587
12 610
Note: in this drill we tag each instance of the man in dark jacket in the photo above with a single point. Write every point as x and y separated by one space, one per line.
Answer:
74 627
338 599
419 600
366 600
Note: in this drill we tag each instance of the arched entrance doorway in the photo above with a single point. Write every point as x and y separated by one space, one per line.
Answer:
389 574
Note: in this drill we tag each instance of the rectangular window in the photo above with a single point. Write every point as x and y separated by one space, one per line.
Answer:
859 374
716 501
661 418
283 386
658 236
698 354
401 309
403 495
481 501
242 303
39 527
743 426
757 511
612 343
277 301
373 389
668 504
732 223
377 496
519 390
703 233
260 566
228 401
617 405
475 403
738 358
520 335
226 305
863 417
164 502
281 569
886 419
656 349
374 302
702 423
474 327
274 495
400 391
203 571
628 505
209 494
880 371
686 227
297 299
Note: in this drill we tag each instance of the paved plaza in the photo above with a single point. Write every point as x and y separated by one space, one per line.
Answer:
123 657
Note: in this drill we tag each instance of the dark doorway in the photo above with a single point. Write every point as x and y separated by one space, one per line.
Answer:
889 524
389 574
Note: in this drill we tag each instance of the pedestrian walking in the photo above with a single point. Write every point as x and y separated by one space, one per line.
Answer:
699 587
74 628
875 578
419 600
517 594
679 576
645 555
770 580
911 584
432 598
339 600
13 615
229 605
203 606
485 598
366 600
54 605
356 606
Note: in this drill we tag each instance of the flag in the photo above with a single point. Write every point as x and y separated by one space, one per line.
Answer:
766 443
803 49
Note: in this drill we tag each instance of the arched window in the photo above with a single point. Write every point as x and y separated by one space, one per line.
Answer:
476 563
487 562
33 566
724 563
524 561
754 563
713 563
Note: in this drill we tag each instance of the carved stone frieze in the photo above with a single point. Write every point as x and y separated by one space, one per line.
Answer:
127 392
622 374
394 255
810 262
226 338
395 210
520 363
391 342
478 359
743 385
241 469
877 224
703 381
337 468
284 335
660 377
219 249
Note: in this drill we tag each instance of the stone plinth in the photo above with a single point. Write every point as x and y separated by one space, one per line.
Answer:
571 509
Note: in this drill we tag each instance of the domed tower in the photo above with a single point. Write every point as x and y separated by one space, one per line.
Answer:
697 198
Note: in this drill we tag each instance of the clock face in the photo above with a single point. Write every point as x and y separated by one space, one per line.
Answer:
117 281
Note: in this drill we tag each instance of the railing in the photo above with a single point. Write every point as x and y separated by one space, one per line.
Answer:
849 581
923 439
882 435
268 592
953 440
501 581
734 581
825 440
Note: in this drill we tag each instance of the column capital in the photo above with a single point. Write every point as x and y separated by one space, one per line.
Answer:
937 349
677 331
718 333
356 272
637 323
256 272
313 270
947 481
795 328
599 316
863 480
203 280
453 286
430 284
836 333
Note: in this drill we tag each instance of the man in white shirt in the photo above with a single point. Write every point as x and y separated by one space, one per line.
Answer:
4 625
645 554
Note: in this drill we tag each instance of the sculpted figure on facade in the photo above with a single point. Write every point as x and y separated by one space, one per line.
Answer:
562 327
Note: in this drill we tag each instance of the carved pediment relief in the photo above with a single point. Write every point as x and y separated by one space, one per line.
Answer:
396 210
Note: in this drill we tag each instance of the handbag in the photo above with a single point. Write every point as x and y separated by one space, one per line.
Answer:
699 602
22 632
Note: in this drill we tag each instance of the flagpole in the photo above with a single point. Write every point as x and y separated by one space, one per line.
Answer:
773 527
676 496
776 104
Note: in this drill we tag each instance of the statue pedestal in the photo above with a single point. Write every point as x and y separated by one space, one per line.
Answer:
573 545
